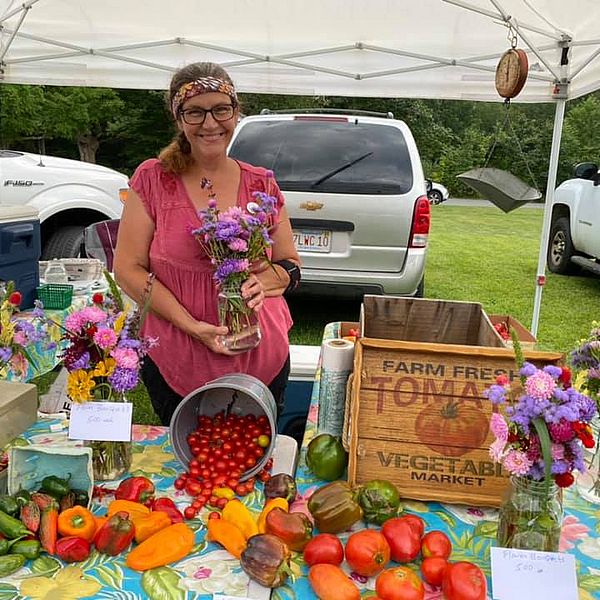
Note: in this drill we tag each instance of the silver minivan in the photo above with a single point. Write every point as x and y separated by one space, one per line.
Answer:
355 193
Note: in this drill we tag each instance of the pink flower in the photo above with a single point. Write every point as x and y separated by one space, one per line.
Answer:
19 338
540 385
497 450
74 322
126 358
516 462
572 530
105 338
558 451
499 427
238 245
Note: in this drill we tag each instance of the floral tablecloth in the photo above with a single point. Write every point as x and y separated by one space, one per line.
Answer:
210 570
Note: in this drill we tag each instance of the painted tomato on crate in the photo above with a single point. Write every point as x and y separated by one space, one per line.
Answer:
367 552
452 430
399 583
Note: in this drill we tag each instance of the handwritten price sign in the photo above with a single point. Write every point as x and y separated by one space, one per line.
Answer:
518 574
101 421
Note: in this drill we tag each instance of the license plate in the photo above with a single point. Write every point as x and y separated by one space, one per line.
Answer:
312 241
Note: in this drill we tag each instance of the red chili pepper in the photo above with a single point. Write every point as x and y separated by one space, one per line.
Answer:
72 549
167 505
115 535
136 489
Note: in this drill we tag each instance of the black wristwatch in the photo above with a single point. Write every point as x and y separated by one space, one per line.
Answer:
293 271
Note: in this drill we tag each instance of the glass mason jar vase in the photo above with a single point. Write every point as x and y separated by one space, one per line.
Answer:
242 322
530 516
110 460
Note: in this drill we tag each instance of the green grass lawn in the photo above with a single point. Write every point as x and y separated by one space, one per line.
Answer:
476 255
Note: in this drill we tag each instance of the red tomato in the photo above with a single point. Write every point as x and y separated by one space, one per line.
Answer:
436 543
214 515
403 539
331 583
193 488
416 523
367 552
464 581
179 483
399 583
190 512
324 548
433 569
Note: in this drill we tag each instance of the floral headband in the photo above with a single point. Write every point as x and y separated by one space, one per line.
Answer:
204 85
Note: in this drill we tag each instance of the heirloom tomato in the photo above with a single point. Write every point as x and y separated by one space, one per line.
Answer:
399 583
329 582
367 552
403 538
433 569
436 543
416 523
324 548
464 581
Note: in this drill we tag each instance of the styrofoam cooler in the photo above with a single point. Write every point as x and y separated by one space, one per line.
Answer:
20 249
303 367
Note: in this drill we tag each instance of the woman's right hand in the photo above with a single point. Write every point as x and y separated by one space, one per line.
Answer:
210 336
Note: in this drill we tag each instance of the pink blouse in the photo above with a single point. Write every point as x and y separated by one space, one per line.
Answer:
179 264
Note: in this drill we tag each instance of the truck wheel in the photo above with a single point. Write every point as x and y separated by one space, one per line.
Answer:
64 243
560 248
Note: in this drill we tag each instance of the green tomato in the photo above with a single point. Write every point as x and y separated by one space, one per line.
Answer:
326 457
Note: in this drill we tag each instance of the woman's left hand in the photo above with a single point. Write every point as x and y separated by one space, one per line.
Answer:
253 292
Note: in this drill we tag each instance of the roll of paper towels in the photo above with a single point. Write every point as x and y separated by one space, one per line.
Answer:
336 366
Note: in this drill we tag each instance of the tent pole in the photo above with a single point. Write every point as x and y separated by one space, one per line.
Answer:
559 115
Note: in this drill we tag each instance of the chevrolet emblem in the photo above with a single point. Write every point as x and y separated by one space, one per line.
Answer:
310 205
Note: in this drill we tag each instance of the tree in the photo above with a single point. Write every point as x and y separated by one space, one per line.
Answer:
20 112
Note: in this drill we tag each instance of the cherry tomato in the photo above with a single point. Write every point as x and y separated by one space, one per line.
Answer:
464 580
212 501
264 476
179 483
190 512
324 548
263 440
221 503
193 488
433 569
436 543
399 583
367 552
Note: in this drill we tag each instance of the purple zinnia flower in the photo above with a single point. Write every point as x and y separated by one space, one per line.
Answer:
123 380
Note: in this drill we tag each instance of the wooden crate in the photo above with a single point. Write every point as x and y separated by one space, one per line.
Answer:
418 415
526 338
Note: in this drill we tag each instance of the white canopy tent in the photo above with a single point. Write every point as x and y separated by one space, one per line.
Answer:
379 48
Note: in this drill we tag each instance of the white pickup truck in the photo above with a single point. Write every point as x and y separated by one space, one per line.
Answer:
575 227
68 194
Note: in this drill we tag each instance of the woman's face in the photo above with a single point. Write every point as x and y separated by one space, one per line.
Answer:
208 136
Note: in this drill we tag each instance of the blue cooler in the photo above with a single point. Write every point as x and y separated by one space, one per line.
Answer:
20 249
303 367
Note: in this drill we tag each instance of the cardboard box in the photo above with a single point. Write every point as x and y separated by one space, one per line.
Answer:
18 409
526 338
418 414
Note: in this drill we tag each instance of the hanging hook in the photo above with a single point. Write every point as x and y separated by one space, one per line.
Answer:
512 36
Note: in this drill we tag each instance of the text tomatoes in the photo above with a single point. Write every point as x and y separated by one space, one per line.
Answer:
436 543
324 548
403 539
331 583
399 583
433 569
464 581
367 552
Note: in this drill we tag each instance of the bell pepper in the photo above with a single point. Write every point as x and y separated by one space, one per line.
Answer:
12 528
266 560
167 505
9 505
55 486
136 489
133 509
77 521
30 516
147 526
334 507
48 532
30 549
168 545
326 457
281 485
269 506
295 529
99 521
11 564
73 549
67 501
115 535
236 513
228 535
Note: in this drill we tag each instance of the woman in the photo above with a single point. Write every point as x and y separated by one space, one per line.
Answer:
158 258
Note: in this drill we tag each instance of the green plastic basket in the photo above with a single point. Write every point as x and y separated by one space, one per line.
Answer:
55 295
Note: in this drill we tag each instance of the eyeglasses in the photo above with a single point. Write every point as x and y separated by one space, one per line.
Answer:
197 116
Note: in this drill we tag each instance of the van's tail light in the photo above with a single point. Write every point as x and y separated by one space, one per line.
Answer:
421 223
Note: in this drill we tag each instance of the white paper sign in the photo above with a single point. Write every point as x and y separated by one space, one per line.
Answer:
518 574
101 421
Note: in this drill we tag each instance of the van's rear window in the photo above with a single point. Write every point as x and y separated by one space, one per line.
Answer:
342 157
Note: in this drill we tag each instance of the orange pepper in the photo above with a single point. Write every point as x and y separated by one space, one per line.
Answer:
168 545
147 526
269 506
77 521
235 512
228 535
133 509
